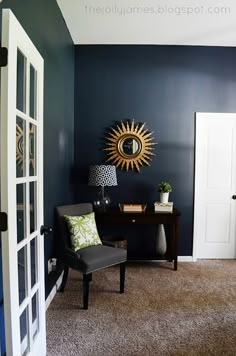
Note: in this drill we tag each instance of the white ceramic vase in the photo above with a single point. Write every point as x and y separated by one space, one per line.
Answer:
164 197
161 244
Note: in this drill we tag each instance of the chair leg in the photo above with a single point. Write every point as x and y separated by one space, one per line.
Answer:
122 277
64 279
86 280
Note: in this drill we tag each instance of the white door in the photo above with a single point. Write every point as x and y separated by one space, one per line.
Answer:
22 191
215 186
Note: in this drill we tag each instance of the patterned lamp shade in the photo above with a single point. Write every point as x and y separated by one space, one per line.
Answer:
102 175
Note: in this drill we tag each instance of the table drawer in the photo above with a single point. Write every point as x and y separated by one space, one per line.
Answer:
133 219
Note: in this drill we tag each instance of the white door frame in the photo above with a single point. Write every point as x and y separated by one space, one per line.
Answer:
13 37
199 115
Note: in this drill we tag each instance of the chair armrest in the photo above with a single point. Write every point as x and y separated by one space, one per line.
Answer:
71 253
70 258
107 243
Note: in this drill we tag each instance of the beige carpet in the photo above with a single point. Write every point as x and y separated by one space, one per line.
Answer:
163 312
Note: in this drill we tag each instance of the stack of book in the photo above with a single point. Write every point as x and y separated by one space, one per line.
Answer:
163 207
132 208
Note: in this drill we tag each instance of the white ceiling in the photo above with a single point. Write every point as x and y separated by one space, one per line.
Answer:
182 22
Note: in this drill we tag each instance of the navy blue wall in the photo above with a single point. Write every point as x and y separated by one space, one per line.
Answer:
163 86
44 23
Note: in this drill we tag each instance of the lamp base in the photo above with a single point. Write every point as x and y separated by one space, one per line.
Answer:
103 202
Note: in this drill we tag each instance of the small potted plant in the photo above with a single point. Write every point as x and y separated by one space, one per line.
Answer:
164 188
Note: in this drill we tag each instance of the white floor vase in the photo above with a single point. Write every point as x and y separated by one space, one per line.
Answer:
161 244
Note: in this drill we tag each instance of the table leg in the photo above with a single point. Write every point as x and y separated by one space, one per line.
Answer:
176 244
175 263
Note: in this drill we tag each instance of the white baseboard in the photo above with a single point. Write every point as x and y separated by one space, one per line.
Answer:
53 292
180 259
186 259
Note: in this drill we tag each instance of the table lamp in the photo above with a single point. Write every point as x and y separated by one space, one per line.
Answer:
102 176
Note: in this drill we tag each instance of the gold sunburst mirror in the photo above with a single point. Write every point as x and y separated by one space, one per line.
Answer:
129 145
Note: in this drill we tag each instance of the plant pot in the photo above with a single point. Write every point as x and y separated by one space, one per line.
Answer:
164 197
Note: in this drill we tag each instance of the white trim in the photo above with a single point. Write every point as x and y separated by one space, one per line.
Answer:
196 184
180 259
53 292
186 259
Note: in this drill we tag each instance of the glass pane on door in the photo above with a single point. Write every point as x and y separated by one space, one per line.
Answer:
32 149
21 82
35 315
21 211
24 332
20 147
33 206
33 92
33 261
22 274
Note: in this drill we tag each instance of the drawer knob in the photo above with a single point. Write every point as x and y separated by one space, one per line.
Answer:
133 221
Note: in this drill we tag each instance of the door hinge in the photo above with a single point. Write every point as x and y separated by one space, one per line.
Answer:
3 56
3 222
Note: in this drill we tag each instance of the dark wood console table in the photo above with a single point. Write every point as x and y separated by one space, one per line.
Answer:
116 217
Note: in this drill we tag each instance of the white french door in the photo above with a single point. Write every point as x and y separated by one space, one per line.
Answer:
215 186
22 191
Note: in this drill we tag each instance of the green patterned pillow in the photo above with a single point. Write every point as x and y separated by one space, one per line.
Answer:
83 231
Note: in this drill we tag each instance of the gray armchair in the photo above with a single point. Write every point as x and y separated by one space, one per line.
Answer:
89 259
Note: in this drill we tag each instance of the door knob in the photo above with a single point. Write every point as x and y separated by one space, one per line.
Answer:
45 230
234 197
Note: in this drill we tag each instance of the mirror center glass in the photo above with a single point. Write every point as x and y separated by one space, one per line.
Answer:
130 146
